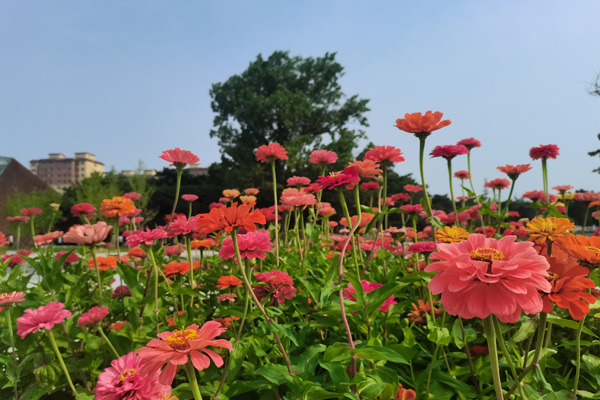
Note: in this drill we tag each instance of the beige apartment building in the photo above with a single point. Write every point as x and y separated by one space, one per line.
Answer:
61 172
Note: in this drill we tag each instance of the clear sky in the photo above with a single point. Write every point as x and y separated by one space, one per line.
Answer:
128 79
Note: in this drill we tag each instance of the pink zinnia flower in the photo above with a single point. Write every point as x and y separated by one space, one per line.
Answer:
125 380
348 177
323 157
413 188
562 188
121 292
482 276
386 155
179 158
271 152
95 315
226 297
132 196
298 181
83 208
47 238
174 250
513 171
469 143
183 226
538 195
216 205
421 247
269 213
544 152
462 174
31 211
44 317
189 197
145 237
178 347
585 196
498 184
449 151
252 245
368 287
87 234
6 299
276 283
411 208
296 198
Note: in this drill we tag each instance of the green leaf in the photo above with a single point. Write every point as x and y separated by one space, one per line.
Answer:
567 323
439 335
275 327
372 390
337 352
378 296
273 373
130 276
379 353
336 372
525 330
318 393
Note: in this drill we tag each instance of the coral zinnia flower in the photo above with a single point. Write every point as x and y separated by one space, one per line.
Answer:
348 177
125 380
538 195
271 152
296 198
421 247
189 197
368 287
562 188
116 207
544 230
44 317
452 234
231 193
323 157
449 151
46 238
11 298
276 283
422 125
413 188
31 211
405 394
226 282
469 143
228 218
87 234
462 174
498 183
586 249
179 158
18 219
386 155
104 263
366 168
369 186
513 171
298 181
251 245
483 276
569 287
251 191
95 315
178 347
83 208
544 152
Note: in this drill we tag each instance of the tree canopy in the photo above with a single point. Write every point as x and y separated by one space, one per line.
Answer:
297 102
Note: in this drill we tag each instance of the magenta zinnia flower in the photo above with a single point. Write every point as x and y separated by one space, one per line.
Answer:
469 143
125 380
179 158
83 208
323 157
482 276
44 317
178 347
252 245
87 234
189 197
449 151
544 152
95 315
348 177
145 237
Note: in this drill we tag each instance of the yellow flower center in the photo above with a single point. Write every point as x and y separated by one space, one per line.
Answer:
180 340
486 254
127 373
593 250
552 276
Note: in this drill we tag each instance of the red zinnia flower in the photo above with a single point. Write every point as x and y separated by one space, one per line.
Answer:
498 183
83 208
513 171
422 124
31 211
225 282
178 347
228 218
449 151
469 143
462 174
323 157
482 276
179 158
386 155
369 186
413 188
271 152
95 315
544 152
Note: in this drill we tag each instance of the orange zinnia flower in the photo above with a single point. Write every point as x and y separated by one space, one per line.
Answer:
452 234
586 249
366 168
550 229
117 206
228 218
104 263
225 282
422 125
364 220
569 287
205 243
231 193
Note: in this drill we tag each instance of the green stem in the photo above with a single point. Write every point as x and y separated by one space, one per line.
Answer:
384 205
156 272
62 363
545 180
506 209
239 334
99 279
276 213
491 339
473 188
578 354
108 341
188 245
191 374
506 354
177 188
18 236
33 231
452 192
13 352
421 157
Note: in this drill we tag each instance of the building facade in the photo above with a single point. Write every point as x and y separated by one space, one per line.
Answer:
61 172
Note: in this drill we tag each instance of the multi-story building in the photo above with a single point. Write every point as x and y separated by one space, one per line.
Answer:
61 172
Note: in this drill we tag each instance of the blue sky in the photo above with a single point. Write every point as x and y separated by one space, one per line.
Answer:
128 79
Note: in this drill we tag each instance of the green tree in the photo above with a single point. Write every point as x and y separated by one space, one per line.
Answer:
595 153
297 102
40 199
